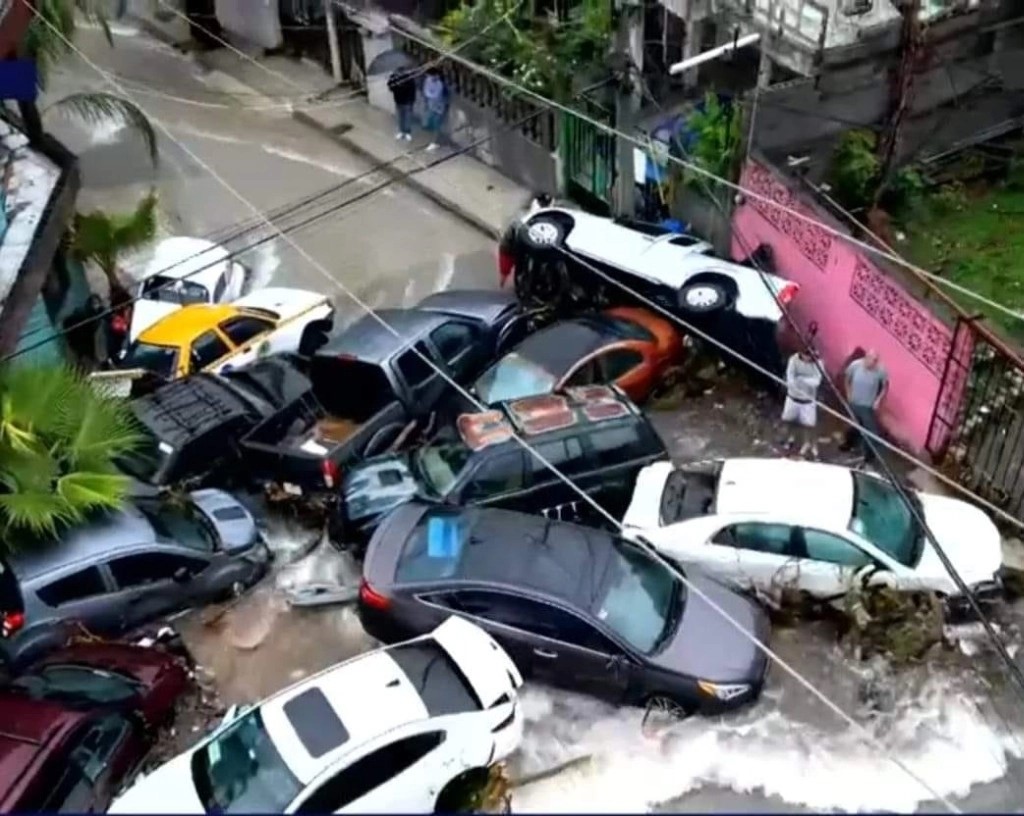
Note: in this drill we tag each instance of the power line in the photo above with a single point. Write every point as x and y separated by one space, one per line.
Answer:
859 728
699 170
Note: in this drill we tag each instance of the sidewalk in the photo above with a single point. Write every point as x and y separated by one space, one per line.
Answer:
464 186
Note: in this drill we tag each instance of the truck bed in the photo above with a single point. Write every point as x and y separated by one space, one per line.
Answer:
325 435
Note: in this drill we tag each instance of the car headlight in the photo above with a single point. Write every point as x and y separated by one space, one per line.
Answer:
723 691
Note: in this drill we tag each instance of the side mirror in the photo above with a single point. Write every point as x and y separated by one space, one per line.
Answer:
181 575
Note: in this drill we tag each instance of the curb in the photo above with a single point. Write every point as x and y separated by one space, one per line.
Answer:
443 201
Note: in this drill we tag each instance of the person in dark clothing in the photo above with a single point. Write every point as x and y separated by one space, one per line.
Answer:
402 84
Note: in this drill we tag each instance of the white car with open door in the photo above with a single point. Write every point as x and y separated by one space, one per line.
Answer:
766 523
182 271
390 731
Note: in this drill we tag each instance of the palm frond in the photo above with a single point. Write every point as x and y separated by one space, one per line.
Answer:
83 491
95 12
138 227
28 471
92 238
37 512
96 429
102 107
31 396
49 33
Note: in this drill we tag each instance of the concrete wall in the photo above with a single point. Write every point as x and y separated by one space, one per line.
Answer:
854 304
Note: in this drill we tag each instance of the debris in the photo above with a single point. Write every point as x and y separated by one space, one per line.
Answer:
321 594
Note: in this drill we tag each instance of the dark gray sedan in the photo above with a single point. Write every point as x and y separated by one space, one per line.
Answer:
124 569
573 606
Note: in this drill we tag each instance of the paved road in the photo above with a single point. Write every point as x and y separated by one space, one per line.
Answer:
391 247
784 753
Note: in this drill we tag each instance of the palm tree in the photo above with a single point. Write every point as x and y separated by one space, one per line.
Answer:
103 238
59 438
48 40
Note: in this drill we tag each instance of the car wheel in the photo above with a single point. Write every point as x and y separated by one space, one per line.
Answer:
544 234
661 712
458 795
703 297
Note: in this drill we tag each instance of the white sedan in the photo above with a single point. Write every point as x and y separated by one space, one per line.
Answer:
389 731
766 523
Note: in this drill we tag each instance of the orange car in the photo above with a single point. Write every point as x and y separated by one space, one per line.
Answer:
626 346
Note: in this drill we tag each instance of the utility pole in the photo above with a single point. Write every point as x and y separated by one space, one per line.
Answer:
629 54
332 40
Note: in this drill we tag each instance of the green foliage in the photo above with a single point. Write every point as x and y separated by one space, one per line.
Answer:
717 129
58 440
544 54
950 198
855 176
102 238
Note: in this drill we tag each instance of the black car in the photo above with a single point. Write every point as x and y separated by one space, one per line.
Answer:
594 435
574 606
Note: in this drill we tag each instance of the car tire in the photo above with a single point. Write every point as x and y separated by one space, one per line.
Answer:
661 707
703 297
544 234
452 798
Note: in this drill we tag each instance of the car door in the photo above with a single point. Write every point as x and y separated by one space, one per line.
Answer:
612 451
544 491
423 384
401 773
760 554
80 596
150 584
207 352
459 348
831 562
628 368
248 334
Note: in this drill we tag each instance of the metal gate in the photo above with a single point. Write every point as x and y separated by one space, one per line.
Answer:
588 162
977 427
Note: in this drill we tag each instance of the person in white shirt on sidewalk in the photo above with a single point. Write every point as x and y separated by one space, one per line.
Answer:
803 377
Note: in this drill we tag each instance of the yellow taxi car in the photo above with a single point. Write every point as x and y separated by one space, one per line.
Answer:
216 337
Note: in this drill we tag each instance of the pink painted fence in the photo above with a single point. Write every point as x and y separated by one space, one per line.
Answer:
852 301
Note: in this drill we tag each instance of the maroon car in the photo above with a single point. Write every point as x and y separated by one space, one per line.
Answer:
77 724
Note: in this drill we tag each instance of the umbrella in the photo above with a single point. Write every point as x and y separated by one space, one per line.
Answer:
388 61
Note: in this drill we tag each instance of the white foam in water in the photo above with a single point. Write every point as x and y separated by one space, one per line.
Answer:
942 736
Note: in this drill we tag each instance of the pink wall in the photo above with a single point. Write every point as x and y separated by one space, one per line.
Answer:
852 301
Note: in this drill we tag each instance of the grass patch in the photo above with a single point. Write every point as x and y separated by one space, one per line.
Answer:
974 237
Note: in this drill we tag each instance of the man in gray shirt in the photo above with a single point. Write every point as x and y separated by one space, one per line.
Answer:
866 386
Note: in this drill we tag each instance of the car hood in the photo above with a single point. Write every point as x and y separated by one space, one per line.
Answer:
706 645
378 486
145 313
235 525
966 535
168 789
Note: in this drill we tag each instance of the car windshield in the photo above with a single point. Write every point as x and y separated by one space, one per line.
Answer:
146 459
881 516
438 466
161 360
174 290
241 771
642 601
181 523
76 684
512 378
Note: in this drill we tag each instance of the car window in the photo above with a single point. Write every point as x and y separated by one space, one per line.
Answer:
183 525
564 454
773 539
82 584
370 772
822 546
881 516
617 444
619 362
97 745
439 466
147 568
452 339
243 328
67 791
220 288
207 349
413 368
496 476
587 374
174 290
161 360
75 684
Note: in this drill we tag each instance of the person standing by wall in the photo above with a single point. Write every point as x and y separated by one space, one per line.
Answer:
803 376
866 384
402 84
435 101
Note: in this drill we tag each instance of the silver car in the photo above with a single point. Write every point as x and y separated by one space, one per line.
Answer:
126 568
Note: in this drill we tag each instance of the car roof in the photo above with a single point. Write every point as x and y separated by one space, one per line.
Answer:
368 340
106 534
809 492
555 559
558 348
189 407
485 305
186 323
28 728
315 721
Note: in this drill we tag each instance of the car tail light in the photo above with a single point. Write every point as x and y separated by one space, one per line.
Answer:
368 596
789 291
11 622
506 266
331 472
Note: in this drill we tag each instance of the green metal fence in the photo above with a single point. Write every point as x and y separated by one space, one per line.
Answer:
588 163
